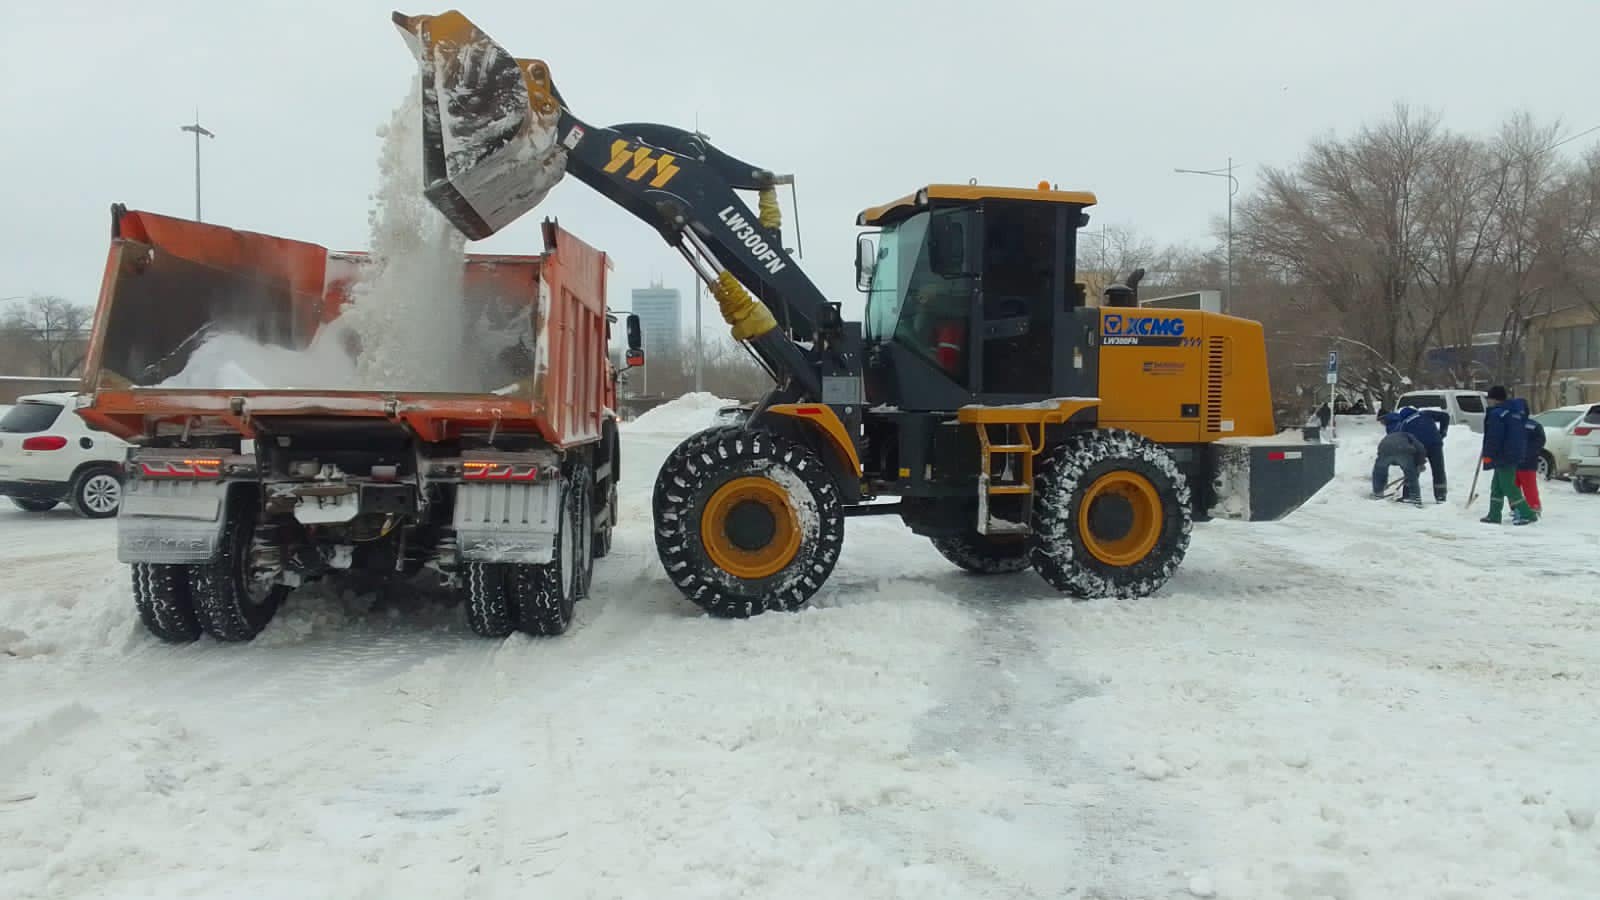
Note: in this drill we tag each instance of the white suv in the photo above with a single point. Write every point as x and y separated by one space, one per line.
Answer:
1585 452
50 455
1464 407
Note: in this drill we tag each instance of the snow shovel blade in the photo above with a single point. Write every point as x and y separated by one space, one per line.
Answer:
489 124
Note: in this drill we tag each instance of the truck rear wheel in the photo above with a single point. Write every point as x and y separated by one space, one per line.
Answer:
161 594
603 528
746 522
984 554
544 595
231 604
536 599
1111 516
488 601
33 506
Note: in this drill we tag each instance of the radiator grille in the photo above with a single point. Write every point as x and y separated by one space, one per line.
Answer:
1216 363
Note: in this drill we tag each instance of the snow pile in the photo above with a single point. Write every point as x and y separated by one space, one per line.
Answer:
235 361
405 327
695 411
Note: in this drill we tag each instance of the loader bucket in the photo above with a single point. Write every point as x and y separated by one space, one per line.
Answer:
488 122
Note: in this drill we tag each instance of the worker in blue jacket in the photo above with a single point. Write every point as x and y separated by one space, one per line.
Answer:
1428 426
1504 440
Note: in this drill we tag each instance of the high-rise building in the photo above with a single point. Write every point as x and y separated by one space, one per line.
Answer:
660 312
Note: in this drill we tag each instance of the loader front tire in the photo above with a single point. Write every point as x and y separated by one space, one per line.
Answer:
985 554
746 521
1111 515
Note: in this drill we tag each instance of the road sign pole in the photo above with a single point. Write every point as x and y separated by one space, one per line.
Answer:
1333 389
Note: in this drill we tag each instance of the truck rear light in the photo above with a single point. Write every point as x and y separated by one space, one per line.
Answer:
45 442
477 470
181 468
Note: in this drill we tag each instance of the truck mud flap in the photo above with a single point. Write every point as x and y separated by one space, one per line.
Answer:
1262 482
170 522
507 523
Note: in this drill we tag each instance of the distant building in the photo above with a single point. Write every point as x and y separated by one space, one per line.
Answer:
660 312
1469 367
1563 359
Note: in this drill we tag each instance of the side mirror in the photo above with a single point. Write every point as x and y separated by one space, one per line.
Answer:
866 262
635 339
634 358
947 248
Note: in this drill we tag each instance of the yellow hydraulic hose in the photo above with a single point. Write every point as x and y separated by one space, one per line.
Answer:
771 214
747 316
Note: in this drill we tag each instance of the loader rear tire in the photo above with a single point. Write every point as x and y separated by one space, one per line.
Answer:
230 604
746 521
1111 515
161 594
983 554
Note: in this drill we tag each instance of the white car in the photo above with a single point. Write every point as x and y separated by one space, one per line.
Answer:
1559 424
50 455
1584 455
1464 407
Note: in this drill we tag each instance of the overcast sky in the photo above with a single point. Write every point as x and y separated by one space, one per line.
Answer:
862 101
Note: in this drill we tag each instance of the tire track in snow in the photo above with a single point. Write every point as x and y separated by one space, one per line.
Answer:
1054 821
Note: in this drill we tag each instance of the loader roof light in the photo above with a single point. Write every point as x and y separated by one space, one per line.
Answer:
1044 185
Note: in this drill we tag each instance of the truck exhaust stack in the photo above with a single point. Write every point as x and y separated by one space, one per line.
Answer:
489 124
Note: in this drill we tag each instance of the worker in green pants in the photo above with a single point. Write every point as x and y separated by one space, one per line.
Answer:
1503 439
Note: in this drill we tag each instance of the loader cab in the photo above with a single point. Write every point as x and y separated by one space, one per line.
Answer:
971 297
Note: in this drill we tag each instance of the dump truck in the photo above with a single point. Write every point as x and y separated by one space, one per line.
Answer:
1012 422
501 490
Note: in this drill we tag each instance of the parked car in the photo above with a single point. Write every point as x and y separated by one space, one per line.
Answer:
1558 425
1464 407
49 455
1584 459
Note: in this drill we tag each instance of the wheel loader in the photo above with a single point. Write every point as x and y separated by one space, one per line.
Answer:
986 399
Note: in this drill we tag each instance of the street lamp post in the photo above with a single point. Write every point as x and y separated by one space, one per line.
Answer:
198 130
1233 188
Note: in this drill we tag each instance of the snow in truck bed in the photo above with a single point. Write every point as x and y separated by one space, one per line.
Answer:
1360 701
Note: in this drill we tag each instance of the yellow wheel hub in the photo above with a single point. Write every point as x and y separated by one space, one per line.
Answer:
749 528
1120 518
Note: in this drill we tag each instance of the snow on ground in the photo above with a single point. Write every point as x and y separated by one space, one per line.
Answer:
1363 700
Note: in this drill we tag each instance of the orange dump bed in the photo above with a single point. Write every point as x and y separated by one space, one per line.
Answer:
172 286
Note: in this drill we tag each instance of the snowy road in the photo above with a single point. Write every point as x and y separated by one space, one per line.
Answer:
1360 701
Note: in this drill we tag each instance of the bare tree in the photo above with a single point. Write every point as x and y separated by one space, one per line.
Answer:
1462 230
1346 225
52 332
